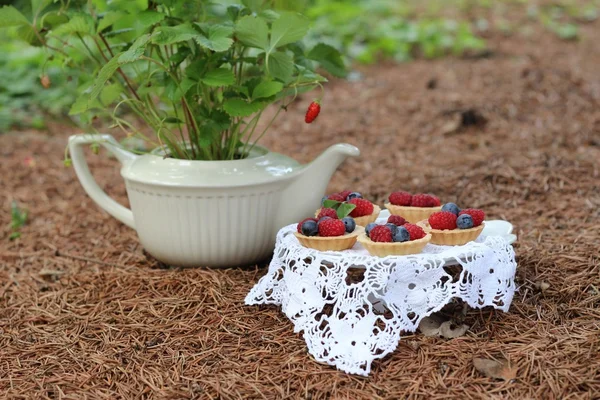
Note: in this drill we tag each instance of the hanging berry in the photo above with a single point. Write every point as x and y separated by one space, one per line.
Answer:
313 112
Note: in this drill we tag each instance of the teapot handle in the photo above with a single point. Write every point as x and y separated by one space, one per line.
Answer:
76 143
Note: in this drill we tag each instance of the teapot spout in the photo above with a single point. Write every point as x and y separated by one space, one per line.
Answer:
303 196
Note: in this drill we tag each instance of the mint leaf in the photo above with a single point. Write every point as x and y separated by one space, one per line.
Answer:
238 107
331 204
10 16
344 210
218 77
289 28
266 89
329 58
252 31
280 66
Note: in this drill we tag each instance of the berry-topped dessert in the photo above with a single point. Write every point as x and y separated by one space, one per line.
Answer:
327 232
363 212
397 237
413 207
453 226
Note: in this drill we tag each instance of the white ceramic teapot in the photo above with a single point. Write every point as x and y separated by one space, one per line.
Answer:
211 213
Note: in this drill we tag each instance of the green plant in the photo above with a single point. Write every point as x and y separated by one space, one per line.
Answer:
367 30
18 220
199 74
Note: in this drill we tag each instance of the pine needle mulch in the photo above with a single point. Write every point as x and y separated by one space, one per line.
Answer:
85 313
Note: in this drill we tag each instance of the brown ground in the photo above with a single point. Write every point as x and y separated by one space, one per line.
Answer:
112 324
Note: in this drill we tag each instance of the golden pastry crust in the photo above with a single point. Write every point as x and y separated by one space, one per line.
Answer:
412 214
454 237
383 249
330 243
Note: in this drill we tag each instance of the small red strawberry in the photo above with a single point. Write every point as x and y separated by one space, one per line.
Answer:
332 227
400 198
477 215
45 81
363 207
381 233
313 112
299 227
396 220
442 220
336 197
415 231
423 200
327 212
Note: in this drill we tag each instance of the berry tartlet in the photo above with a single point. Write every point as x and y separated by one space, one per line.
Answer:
415 207
364 212
452 226
395 238
327 233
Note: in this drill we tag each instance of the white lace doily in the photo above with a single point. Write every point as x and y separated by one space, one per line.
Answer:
350 320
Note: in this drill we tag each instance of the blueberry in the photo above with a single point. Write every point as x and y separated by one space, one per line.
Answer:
309 228
392 227
323 200
354 195
350 224
401 235
369 227
453 208
464 221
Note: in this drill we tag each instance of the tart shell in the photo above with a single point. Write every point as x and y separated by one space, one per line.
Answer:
383 249
455 237
412 214
330 243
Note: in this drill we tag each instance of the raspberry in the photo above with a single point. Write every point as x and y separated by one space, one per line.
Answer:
396 220
436 200
331 227
344 194
336 197
442 220
477 215
415 231
299 227
381 233
363 207
327 212
424 200
400 198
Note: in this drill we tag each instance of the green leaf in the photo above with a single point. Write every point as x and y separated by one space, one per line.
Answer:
331 204
218 38
280 66
10 16
289 28
147 18
136 50
38 6
238 107
175 93
268 15
344 210
218 77
266 89
175 34
104 75
109 19
110 94
52 19
252 31
329 58
80 23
